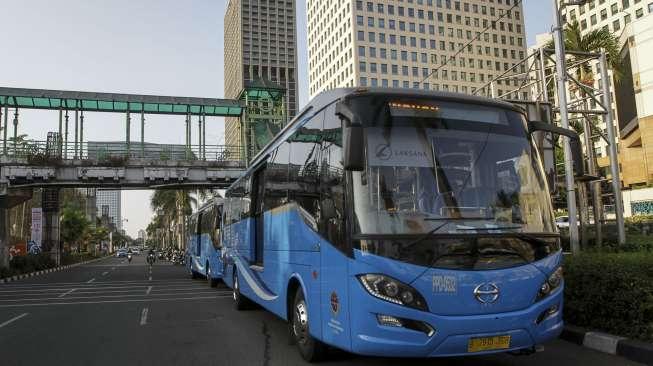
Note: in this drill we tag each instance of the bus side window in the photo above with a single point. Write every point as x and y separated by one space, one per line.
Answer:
276 178
305 153
332 182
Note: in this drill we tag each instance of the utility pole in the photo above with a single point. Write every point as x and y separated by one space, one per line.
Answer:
614 158
561 77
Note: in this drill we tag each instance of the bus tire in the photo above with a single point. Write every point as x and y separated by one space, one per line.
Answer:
311 349
211 281
240 301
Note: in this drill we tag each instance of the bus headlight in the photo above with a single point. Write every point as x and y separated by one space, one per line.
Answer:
552 282
391 290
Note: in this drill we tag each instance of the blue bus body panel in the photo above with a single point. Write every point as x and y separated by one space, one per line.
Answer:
449 292
343 314
456 317
268 285
208 254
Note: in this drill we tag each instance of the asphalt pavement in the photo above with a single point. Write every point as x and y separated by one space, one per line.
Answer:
112 312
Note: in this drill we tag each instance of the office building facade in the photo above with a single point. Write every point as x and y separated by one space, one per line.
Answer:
632 96
425 44
109 205
260 44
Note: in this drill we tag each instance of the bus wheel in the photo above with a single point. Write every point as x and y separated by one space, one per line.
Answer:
240 301
311 349
212 282
192 273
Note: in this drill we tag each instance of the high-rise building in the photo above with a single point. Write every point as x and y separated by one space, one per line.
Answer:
425 44
632 95
260 46
109 205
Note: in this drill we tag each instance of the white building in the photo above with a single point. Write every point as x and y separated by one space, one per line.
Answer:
413 43
108 204
613 16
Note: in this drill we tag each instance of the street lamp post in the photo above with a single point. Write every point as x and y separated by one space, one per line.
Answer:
561 77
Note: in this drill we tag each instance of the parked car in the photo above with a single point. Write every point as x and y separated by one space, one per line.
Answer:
562 222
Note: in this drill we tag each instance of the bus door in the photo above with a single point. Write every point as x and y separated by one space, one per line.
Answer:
258 192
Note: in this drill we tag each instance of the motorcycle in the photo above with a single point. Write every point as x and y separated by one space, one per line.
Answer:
150 259
129 257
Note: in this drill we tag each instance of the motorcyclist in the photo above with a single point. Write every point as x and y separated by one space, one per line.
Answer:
151 257
129 255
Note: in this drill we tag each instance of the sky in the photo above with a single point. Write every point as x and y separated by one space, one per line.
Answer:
160 47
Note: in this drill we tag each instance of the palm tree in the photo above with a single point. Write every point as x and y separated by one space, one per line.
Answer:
591 42
175 206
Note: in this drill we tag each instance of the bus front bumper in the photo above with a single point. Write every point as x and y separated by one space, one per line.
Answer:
450 335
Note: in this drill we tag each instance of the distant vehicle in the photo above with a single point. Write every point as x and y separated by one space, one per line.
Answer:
562 222
136 251
396 222
121 253
204 254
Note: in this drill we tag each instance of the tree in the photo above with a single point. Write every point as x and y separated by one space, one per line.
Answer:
73 225
174 206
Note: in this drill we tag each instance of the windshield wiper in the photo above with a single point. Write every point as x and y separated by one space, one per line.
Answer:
425 236
456 218
487 228
529 238
496 251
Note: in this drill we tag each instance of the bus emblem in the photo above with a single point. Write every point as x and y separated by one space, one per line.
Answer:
444 284
486 293
335 303
383 152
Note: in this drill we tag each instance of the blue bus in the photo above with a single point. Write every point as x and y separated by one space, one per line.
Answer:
394 222
204 247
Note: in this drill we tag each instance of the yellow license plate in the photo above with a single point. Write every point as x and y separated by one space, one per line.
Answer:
488 343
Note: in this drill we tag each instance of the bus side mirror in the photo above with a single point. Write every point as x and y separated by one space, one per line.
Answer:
217 239
353 141
574 143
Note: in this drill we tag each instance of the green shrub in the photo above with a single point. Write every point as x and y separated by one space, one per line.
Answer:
29 263
612 292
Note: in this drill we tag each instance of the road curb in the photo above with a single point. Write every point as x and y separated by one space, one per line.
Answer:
49 270
633 350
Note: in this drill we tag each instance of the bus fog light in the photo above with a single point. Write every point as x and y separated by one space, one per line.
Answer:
389 321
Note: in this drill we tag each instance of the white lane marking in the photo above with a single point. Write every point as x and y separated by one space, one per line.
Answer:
67 292
150 278
112 268
153 295
226 296
13 319
9 285
144 316
82 286
91 280
149 288
105 273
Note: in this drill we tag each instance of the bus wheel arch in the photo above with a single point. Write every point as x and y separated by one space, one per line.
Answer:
310 348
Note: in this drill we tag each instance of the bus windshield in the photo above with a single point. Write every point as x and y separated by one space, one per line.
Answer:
446 167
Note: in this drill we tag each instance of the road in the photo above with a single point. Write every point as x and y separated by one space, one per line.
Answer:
111 312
